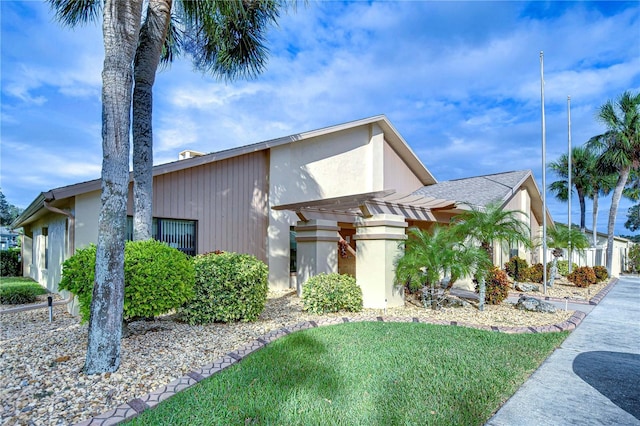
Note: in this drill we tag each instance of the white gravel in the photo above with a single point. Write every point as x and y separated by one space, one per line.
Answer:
42 382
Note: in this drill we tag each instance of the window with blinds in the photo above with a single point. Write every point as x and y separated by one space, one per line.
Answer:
177 233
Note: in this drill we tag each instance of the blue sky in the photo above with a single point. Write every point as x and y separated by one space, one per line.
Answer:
459 80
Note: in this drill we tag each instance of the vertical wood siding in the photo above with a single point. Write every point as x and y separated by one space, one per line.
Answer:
227 198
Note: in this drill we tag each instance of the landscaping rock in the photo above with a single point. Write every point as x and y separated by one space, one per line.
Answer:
526 287
527 303
454 302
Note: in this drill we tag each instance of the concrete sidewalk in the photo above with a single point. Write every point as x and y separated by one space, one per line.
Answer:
594 377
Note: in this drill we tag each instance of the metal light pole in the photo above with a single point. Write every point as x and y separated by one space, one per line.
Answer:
569 185
544 179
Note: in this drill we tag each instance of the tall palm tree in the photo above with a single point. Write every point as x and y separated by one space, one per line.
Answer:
602 183
224 37
430 256
619 149
488 225
582 164
120 28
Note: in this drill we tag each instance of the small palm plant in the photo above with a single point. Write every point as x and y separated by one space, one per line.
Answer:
430 256
486 225
562 237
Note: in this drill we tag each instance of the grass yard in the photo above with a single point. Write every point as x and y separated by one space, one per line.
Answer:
369 373
16 290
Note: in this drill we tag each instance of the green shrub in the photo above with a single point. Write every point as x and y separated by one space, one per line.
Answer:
157 279
228 287
10 263
516 268
583 276
497 286
601 273
331 293
18 293
78 275
563 267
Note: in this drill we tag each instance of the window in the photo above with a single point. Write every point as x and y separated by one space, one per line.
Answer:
293 250
45 242
177 233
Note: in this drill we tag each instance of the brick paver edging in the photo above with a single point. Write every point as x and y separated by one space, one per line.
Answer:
138 405
593 301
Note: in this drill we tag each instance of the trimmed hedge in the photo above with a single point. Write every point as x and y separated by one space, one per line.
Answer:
10 263
228 287
331 293
563 267
18 293
157 279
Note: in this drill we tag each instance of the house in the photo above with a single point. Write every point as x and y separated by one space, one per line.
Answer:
8 238
289 202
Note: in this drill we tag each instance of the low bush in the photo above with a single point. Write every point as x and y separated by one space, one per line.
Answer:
601 273
583 276
534 273
563 267
497 286
633 259
18 293
157 279
331 293
10 263
228 287
516 268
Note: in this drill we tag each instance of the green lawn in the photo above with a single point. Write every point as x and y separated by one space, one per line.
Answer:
365 374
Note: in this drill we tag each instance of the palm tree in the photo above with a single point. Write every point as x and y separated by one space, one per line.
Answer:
489 224
430 256
582 164
619 149
562 237
121 25
224 37
601 184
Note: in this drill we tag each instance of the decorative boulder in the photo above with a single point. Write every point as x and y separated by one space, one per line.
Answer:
526 287
453 302
527 303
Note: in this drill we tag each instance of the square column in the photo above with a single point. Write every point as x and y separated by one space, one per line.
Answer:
378 246
317 242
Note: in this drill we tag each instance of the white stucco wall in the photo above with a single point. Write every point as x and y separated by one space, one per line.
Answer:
87 212
48 274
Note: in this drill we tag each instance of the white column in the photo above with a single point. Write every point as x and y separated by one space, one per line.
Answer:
317 242
378 246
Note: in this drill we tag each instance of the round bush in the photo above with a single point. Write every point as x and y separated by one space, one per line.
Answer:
497 286
563 267
516 268
601 273
583 276
157 279
331 293
228 287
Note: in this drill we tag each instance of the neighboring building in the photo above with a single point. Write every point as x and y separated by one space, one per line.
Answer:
8 238
288 201
596 255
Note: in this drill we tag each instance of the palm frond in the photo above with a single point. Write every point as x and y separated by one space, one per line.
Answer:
75 12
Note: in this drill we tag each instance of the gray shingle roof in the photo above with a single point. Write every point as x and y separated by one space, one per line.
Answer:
478 190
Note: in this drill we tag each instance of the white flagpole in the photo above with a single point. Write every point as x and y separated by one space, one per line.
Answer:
544 179
569 184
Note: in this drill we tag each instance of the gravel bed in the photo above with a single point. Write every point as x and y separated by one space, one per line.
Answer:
42 382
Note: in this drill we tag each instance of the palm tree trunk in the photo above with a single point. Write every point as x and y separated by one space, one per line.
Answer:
121 25
615 201
595 218
583 210
152 36
482 290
